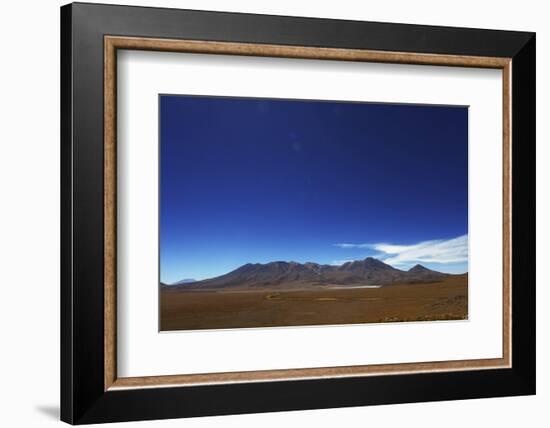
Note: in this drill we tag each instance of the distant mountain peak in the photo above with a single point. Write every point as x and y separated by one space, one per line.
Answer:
184 281
375 262
419 268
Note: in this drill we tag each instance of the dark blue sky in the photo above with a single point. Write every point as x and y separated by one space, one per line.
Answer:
255 180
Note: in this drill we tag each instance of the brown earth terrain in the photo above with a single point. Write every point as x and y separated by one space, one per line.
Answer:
314 304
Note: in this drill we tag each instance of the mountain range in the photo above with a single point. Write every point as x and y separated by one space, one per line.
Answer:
280 274
184 281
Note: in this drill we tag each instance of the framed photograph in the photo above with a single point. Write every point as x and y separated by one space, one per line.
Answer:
266 213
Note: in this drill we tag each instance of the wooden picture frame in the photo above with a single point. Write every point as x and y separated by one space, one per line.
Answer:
91 390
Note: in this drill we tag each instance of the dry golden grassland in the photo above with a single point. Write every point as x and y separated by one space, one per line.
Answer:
208 309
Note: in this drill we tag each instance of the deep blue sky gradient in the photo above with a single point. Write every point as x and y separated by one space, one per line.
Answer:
254 180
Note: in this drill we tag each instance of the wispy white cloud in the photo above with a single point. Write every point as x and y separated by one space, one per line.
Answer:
435 251
344 245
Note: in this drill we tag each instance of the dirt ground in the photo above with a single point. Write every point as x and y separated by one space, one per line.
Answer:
194 310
